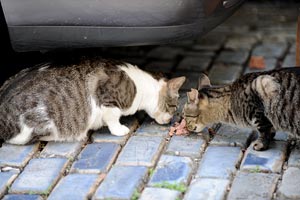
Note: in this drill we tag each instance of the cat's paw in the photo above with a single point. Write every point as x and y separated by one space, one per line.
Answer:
259 145
120 130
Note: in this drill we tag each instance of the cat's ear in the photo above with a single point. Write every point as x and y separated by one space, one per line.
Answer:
175 84
203 81
193 96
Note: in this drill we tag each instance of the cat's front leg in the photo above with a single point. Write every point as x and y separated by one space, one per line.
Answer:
111 117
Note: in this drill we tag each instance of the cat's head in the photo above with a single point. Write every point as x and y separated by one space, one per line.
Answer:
168 100
197 110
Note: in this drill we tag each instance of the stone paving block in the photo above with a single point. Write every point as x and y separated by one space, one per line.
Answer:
270 64
221 74
39 176
279 35
16 155
207 189
219 162
267 50
104 135
22 197
96 158
233 57
61 149
238 42
121 182
210 42
294 159
197 64
289 188
159 194
160 66
281 136
165 53
232 136
270 160
172 169
141 150
249 186
150 128
191 146
68 189
289 61
6 178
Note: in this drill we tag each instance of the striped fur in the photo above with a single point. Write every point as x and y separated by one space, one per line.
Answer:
266 101
62 102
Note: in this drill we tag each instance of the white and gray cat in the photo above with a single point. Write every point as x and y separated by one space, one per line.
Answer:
55 102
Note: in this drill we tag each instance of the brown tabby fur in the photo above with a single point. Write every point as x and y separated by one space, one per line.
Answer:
267 101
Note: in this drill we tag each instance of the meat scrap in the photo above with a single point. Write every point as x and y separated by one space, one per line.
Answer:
179 128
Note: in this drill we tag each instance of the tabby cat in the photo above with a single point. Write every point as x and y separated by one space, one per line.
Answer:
61 102
266 101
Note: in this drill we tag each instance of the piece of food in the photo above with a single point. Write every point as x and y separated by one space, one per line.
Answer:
179 128
257 62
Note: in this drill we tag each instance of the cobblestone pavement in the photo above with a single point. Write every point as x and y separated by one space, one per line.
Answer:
148 164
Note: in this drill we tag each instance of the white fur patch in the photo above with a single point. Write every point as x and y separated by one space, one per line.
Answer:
95 120
23 137
147 91
266 86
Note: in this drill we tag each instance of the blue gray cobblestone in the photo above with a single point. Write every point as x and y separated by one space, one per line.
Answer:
68 189
96 158
61 149
270 160
289 60
243 41
39 176
197 64
233 57
249 186
275 50
172 169
17 156
219 162
141 150
103 134
207 189
22 197
232 136
294 159
159 194
289 188
191 146
121 182
6 178
150 128
221 74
